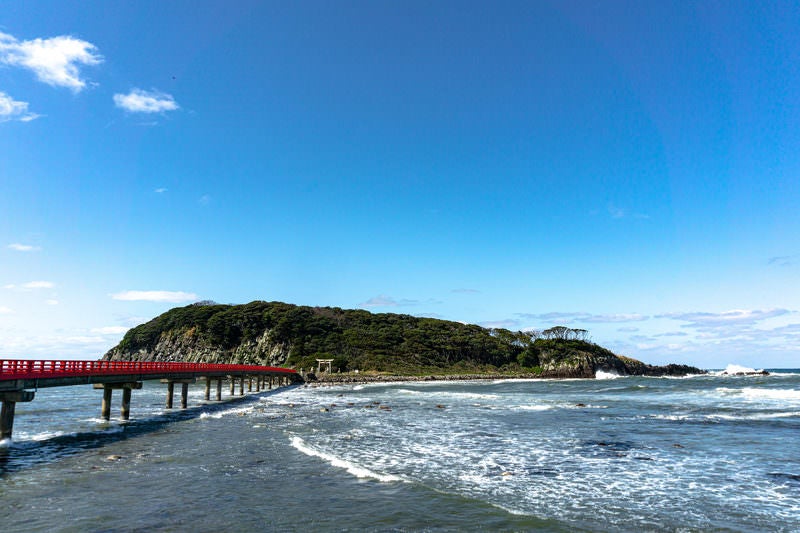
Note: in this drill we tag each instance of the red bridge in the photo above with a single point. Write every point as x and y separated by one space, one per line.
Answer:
17 377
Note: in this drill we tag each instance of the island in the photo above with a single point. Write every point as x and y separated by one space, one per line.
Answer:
364 346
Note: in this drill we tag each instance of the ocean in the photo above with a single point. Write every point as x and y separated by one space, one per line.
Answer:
703 453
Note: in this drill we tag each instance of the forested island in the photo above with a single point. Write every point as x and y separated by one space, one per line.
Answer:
382 344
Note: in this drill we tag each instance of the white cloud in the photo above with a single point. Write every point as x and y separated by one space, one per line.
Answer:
725 318
568 318
500 324
161 190
109 330
5 310
155 296
11 109
380 301
54 60
387 301
140 101
51 302
465 291
38 285
23 247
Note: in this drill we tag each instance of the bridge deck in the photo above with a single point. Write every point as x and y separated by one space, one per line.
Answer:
27 374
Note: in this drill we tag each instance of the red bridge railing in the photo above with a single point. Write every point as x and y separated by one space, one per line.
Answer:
32 369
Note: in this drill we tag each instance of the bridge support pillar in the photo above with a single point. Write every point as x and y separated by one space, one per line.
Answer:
105 407
208 388
171 390
241 386
170 393
219 389
258 383
250 384
125 411
270 383
10 400
233 385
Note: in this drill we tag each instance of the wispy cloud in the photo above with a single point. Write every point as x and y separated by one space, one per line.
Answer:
725 318
5 310
55 60
429 315
109 330
568 318
619 212
31 285
466 291
23 247
38 285
383 300
155 296
51 302
784 260
141 101
11 109
161 190
509 323
204 200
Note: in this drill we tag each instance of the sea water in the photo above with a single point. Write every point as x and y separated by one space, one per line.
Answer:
713 452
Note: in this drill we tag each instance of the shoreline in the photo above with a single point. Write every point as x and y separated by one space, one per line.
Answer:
340 379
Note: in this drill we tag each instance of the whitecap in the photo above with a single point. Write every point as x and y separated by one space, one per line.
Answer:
358 471
770 394
733 369
534 407
602 374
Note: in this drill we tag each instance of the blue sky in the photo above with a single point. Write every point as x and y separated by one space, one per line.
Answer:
630 168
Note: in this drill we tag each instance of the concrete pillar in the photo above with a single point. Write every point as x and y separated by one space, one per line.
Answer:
208 388
233 385
170 393
105 407
258 383
270 383
250 384
9 400
219 389
125 412
241 386
7 419
184 395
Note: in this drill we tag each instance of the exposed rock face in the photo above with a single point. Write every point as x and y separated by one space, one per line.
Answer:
187 346
580 364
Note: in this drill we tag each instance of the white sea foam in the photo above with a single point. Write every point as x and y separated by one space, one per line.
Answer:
534 407
732 370
755 416
756 393
770 394
358 471
443 394
602 374
227 412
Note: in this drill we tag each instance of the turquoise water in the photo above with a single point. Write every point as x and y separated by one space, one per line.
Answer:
626 454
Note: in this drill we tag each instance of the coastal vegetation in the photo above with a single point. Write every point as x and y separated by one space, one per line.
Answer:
276 333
